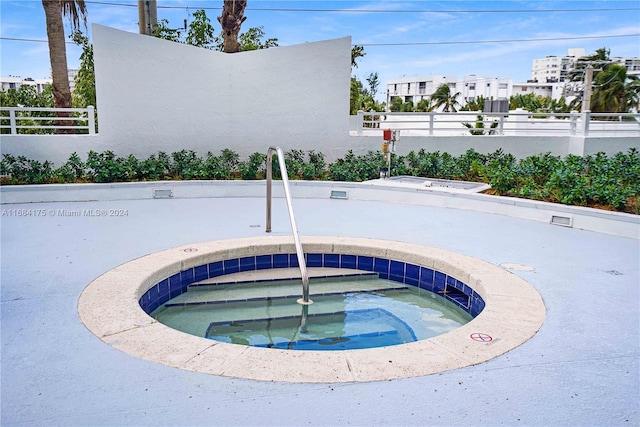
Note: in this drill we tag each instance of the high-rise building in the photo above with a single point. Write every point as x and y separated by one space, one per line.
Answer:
554 69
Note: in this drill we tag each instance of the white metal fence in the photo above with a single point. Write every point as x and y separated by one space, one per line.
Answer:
43 120
36 120
516 123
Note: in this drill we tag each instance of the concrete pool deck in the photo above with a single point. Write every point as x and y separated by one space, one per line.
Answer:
581 368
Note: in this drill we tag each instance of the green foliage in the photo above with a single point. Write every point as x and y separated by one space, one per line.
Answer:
27 96
357 168
74 170
443 97
424 105
396 104
478 128
601 181
361 98
186 165
476 104
252 39
201 33
106 167
254 167
311 166
25 171
162 31
356 52
84 93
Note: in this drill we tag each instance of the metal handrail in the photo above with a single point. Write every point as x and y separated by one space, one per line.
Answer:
285 181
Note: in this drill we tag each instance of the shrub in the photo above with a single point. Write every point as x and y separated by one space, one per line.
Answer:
598 180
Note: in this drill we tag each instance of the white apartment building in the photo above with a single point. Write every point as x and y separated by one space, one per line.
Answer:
554 69
549 77
631 64
14 82
470 87
552 90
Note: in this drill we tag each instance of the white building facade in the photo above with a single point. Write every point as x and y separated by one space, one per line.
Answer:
549 78
14 82
471 87
554 69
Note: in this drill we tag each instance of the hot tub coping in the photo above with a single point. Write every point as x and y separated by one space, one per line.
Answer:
109 307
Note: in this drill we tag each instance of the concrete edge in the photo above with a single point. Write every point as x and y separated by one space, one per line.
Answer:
600 221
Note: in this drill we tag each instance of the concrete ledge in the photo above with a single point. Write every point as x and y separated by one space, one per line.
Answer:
109 308
601 221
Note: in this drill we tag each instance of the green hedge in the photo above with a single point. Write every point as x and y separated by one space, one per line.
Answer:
597 181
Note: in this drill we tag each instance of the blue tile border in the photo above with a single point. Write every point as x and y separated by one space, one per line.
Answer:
421 277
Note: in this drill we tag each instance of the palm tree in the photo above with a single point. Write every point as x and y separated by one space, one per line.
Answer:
54 10
231 19
614 90
425 105
442 97
476 104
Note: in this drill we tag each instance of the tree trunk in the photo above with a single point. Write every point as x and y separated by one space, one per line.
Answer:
58 58
231 20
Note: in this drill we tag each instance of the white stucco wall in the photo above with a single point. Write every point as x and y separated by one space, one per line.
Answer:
155 95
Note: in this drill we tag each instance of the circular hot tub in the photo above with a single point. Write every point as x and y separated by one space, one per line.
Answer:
506 310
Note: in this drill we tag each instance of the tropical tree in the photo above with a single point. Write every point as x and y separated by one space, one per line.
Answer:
27 96
396 104
476 104
356 52
443 97
361 98
529 101
424 105
84 93
614 90
231 19
599 58
252 39
201 32
55 10
407 107
479 127
374 82
355 96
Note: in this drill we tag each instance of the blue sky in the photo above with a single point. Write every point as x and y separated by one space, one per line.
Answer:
400 38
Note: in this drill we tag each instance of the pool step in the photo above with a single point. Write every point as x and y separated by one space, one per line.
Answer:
281 274
274 300
324 331
282 286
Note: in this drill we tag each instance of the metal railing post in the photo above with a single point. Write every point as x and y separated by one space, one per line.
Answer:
573 122
431 120
359 122
296 238
91 119
12 121
586 119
